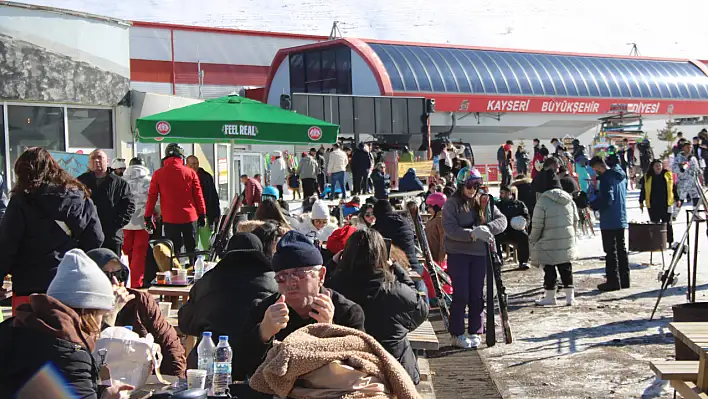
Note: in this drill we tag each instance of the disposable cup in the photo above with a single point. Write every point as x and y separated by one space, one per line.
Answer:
196 379
165 308
162 278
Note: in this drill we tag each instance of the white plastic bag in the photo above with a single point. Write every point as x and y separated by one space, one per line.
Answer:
129 358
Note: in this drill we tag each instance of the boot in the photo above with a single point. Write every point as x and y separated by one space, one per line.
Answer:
624 281
609 286
548 300
569 296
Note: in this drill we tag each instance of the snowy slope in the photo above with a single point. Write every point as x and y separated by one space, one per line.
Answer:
666 29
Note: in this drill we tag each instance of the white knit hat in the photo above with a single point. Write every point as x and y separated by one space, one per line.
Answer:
80 283
319 210
118 163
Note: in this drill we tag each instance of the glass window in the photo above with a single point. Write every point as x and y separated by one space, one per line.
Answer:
90 128
222 171
6 184
31 126
344 70
150 153
313 69
297 73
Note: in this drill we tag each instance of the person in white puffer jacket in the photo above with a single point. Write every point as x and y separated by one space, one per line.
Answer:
552 240
278 172
317 224
136 237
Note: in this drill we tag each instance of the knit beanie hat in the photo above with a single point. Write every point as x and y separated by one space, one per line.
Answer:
295 250
80 283
320 210
382 208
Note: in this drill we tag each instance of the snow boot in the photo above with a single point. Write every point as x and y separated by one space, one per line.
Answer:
461 341
475 340
548 300
609 286
569 296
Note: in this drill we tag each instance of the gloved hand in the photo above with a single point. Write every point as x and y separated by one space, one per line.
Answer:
482 233
149 224
201 222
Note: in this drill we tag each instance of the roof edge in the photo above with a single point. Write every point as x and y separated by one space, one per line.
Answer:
197 28
511 50
65 11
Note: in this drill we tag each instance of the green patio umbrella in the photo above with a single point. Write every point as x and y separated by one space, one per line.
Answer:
234 119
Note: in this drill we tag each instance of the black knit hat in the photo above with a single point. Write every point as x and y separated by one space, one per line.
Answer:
295 250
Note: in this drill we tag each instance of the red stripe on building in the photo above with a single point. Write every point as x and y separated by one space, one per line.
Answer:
449 102
188 73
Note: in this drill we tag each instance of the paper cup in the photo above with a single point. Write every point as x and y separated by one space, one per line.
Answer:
196 379
165 308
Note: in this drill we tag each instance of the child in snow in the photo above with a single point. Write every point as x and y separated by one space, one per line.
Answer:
294 184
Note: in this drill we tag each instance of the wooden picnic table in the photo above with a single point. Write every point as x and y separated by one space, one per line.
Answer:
695 336
171 293
424 338
414 275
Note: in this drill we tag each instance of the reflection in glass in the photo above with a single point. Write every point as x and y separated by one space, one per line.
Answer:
31 126
90 128
149 152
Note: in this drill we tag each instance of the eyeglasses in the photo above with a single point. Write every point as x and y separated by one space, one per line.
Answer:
295 274
368 214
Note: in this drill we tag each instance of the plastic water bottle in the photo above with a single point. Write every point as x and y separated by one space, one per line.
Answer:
128 327
199 268
205 356
222 366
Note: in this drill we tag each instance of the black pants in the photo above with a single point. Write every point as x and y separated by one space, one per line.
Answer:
182 234
616 261
662 215
309 187
280 191
519 239
550 277
321 183
506 177
359 183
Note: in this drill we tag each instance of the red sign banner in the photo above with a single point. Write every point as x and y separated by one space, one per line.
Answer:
562 105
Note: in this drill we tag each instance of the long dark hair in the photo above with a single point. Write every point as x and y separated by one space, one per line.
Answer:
466 204
36 168
364 256
650 170
270 210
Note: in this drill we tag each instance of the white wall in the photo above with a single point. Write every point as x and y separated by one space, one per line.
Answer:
150 44
280 84
80 38
363 79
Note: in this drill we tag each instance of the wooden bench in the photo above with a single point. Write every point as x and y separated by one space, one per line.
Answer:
424 338
688 378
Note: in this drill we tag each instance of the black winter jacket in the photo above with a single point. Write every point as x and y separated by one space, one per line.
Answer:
250 351
390 312
220 302
400 232
211 196
49 336
511 209
32 242
525 193
114 203
361 161
381 184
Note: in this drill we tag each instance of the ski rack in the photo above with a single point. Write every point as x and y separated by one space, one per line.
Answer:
669 274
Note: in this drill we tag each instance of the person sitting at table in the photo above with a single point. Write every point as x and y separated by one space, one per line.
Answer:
410 182
317 224
392 305
142 313
220 301
269 209
301 300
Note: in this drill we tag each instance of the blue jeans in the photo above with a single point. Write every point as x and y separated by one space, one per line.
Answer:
467 273
338 178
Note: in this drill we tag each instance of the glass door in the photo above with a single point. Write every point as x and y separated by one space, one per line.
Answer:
246 163
222 174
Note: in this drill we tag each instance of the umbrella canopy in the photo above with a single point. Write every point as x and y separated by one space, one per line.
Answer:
234 119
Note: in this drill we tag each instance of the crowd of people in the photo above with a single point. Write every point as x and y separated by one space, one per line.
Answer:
61 240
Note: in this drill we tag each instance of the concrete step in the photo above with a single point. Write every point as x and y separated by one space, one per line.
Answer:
425 388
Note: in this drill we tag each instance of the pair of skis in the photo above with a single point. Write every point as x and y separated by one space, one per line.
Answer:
494 279
437 275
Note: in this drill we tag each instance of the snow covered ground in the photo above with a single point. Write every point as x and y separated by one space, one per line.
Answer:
600 348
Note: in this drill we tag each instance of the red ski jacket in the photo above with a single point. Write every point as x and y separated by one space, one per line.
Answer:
181 198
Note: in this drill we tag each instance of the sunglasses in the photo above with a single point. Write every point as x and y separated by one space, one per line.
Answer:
295 274
368 214
120 275
473 184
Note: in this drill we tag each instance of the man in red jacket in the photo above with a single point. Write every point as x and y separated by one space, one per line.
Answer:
252 190
181 200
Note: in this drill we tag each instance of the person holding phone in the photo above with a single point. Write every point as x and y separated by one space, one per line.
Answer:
301 300
392 305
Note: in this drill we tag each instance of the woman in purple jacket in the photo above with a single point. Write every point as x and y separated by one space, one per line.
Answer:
466 244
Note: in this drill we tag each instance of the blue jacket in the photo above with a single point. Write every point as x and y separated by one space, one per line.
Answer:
410 182
610 199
